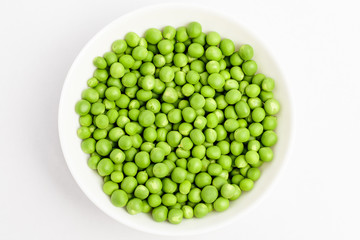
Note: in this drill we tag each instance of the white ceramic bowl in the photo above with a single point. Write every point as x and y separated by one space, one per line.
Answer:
82 69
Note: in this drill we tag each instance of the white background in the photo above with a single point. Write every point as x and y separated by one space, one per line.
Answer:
317 44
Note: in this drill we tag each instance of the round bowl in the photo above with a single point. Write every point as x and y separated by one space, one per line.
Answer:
138 21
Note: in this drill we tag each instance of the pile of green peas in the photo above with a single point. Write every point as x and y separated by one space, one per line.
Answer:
177 122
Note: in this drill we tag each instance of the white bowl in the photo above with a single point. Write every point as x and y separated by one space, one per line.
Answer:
82 69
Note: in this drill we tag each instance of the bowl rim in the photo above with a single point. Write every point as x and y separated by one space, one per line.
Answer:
212 11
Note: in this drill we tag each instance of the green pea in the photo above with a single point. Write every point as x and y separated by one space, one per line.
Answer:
246 52
200 122
224 147
236 73
252 90
92 82
134 206
141 192
194 195
264 95
150 134
203 179
160 213
188 114
235 59
85 120
268 84
209 194
128 184
82 107
213 53
170 95
178 175
269 138
210 105
132 39
90 95
198 66
117 176
154 185
153 35
180 60
173 138
188 211
266 154
100 62
130 169
188 89
146 207
117 156
186 143
196 50
242 135
194 29
246 184
242 109
254 102
258 79
233 96
103 147
160 170
255 129
214 169
252 157
181 198
109 187
175 216
221 204
125 142
101 75
200 210
269 123
216 81
253 174
157 155
119 198
254 145
236 179
142 159
105 167
179 47
146 118
227 191
200 38
237 192
227 47
197 136
148 68
154 200
220 133
213 152
197 101
102 121
272 106
169 199
161 134
83 132
218 182
249 67
93 161
169 32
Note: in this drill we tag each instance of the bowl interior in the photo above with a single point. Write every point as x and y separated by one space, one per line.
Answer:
82 69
